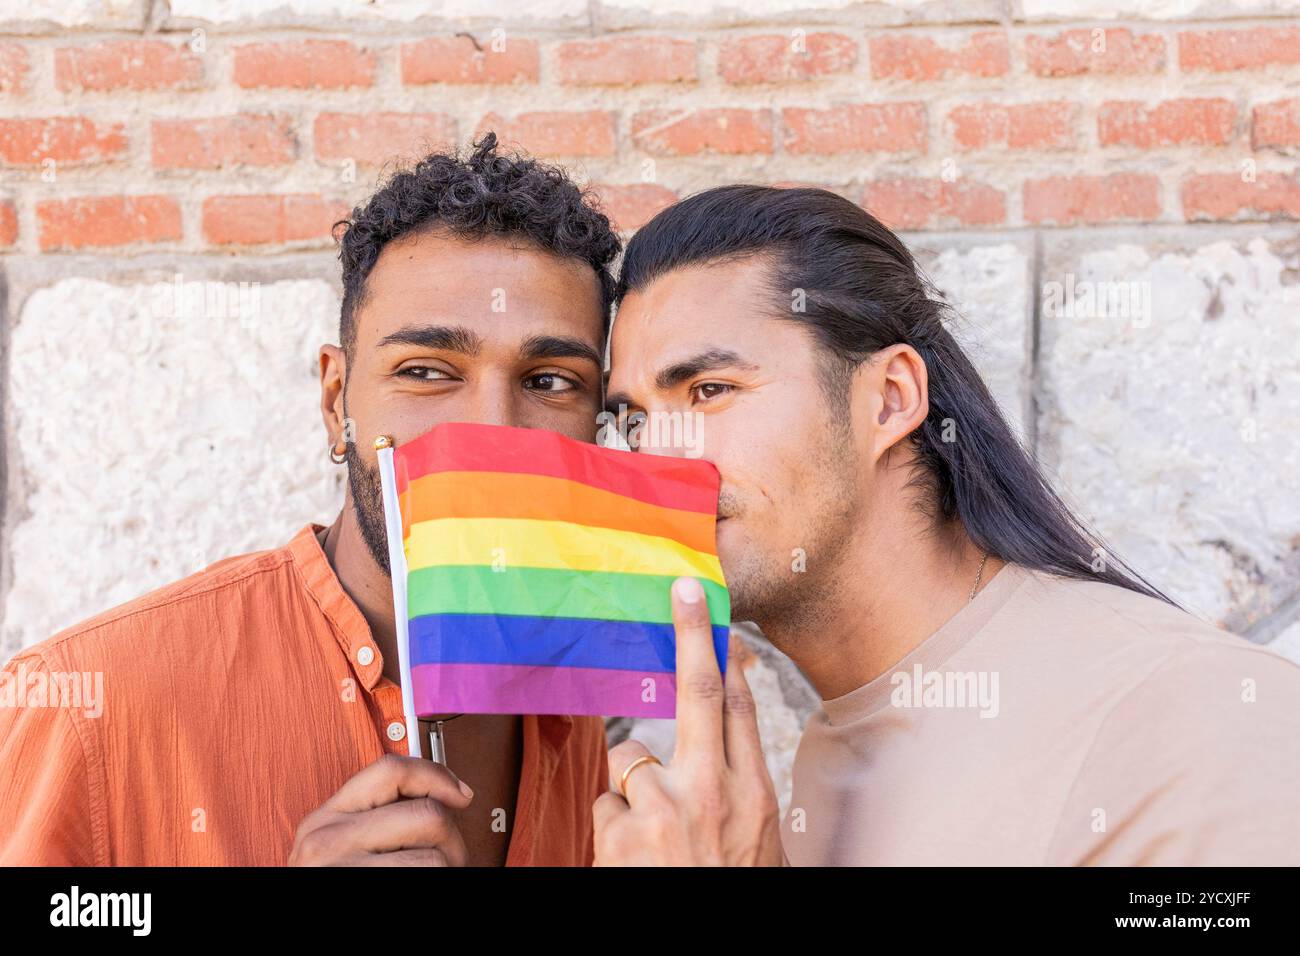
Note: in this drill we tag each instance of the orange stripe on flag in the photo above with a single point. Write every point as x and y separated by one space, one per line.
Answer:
489 494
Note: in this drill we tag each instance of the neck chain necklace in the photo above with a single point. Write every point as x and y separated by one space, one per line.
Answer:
979 574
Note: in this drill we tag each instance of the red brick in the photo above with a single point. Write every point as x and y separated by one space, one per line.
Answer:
1066 200
1071 53
88 221
1226 196
630 207
929 203
1049 125
626 61
906 56
304 65
244 140
375 138
8 224
64 139
1276 124
1198 122
127 65
262 220
867 127
458 60
14 64
732 132
555 133
1224 50
773 58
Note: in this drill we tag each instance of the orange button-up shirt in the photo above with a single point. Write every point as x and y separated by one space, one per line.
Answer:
235 702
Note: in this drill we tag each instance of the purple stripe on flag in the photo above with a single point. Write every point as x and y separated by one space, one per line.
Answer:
535 689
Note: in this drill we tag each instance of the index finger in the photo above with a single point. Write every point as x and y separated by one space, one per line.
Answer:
391 777
699 682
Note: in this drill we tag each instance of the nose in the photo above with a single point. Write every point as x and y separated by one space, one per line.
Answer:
492 402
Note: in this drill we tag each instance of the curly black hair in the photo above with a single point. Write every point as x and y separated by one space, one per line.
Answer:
485 193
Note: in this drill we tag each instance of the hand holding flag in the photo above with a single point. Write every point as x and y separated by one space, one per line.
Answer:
394 812
713 804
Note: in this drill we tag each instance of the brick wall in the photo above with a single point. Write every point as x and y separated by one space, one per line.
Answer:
203 129
1023 146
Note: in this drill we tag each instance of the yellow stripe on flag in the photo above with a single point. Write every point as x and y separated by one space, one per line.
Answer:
532 543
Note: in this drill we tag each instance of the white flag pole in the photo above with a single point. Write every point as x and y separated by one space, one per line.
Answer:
397 571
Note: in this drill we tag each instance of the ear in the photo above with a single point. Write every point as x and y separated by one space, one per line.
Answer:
895 390
333 375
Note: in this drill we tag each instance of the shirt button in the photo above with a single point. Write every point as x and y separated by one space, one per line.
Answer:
366 656
396 730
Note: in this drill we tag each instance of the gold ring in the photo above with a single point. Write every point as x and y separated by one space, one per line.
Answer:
644 758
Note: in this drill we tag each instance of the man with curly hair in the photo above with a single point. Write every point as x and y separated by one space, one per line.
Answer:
253 714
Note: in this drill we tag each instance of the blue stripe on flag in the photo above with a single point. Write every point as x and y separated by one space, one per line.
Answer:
549 642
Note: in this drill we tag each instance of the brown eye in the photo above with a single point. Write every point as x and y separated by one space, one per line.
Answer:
425 373
709 390
549 382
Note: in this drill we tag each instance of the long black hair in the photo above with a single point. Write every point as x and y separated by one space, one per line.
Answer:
861 291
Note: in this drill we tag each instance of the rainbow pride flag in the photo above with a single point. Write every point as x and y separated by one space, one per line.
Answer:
539 568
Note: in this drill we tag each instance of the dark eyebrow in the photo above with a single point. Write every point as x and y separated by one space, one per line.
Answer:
450 338
707 361
558 346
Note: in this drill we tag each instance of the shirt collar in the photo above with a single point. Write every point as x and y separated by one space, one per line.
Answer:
549 733
933 652
350 627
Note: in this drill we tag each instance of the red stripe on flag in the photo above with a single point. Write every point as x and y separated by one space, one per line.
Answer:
685 483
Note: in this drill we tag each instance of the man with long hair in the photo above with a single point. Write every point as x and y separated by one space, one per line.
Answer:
998 688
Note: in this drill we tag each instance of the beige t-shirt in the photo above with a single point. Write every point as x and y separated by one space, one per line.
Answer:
1061 722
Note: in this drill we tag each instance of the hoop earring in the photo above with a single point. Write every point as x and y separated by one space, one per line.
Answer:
339 460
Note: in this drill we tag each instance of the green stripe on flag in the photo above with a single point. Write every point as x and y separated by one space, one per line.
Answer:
551 592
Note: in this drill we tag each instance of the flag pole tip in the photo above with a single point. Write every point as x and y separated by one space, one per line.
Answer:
383 441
